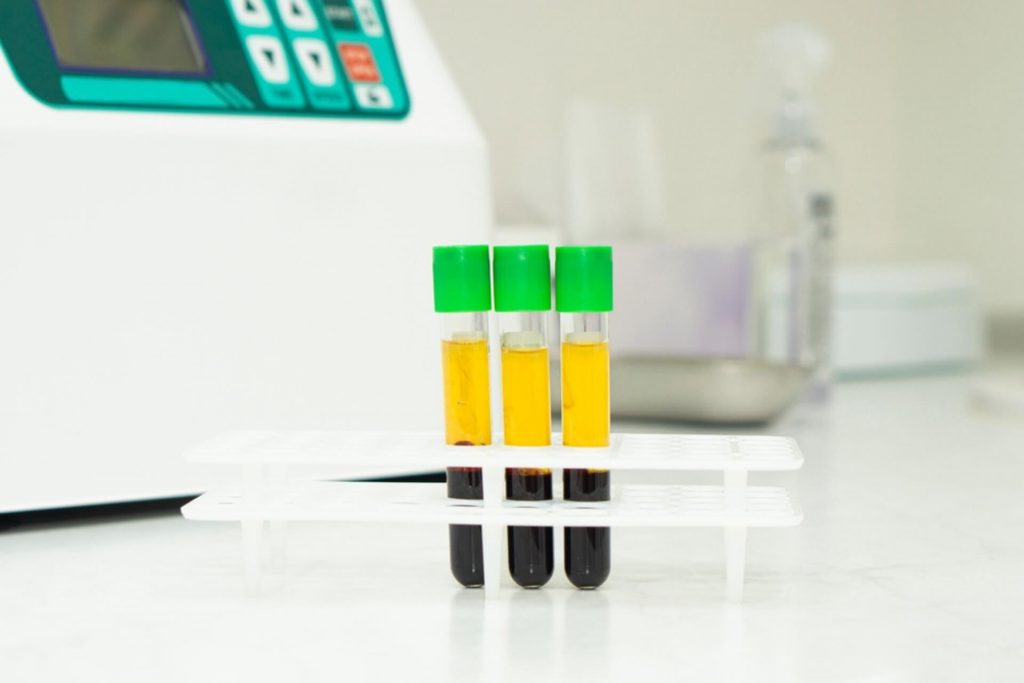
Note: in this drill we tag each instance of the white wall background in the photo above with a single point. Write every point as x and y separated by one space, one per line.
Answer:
923 111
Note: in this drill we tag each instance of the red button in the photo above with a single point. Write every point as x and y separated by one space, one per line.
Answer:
358 61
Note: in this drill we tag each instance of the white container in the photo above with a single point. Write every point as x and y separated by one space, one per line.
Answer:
166 274
906 317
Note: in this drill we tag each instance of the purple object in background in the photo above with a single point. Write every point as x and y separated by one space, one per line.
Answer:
682 300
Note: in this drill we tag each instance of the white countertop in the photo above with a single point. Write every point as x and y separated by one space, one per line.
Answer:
909 567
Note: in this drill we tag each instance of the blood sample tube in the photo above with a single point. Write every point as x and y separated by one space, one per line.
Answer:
462 298
522 298
583 294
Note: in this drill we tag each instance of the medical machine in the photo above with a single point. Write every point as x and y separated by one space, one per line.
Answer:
216 214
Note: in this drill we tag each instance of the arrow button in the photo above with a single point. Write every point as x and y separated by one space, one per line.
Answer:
297 15
315 59
251 13
267 54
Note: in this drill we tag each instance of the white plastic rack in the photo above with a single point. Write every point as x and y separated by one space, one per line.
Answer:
271 495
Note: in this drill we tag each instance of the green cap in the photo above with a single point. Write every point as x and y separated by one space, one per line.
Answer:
522 278
583 279
462 279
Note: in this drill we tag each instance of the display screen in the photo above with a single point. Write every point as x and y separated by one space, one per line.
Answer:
152 36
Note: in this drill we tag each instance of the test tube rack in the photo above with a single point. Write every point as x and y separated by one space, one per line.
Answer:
270 496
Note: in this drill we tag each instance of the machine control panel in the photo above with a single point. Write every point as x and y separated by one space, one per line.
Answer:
333 58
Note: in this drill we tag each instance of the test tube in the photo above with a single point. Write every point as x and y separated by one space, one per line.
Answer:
522 298
462 298
583 294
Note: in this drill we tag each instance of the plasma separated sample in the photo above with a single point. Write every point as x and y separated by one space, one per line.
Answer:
583 293
467 402
522 297
462 297
585 390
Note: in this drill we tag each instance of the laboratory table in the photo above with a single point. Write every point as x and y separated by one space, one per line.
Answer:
909 566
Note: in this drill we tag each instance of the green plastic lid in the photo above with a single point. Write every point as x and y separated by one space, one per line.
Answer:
522 278
462 279
583 279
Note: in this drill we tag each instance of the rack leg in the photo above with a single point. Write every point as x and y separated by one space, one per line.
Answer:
276 478
278 540
735 536
735 560
558 533
492 537
494 497
252 537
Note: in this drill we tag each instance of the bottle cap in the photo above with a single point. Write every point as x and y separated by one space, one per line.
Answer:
462 279
522 278
583 279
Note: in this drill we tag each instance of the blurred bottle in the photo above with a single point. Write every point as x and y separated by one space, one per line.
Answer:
793 243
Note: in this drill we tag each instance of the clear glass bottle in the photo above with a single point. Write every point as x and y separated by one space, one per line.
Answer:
583 282
792 253
462 298
793 240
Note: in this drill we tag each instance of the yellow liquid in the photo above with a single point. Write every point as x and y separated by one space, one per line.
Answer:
586 417
467 400
526 396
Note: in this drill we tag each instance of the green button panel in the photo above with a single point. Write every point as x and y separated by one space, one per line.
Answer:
333 58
